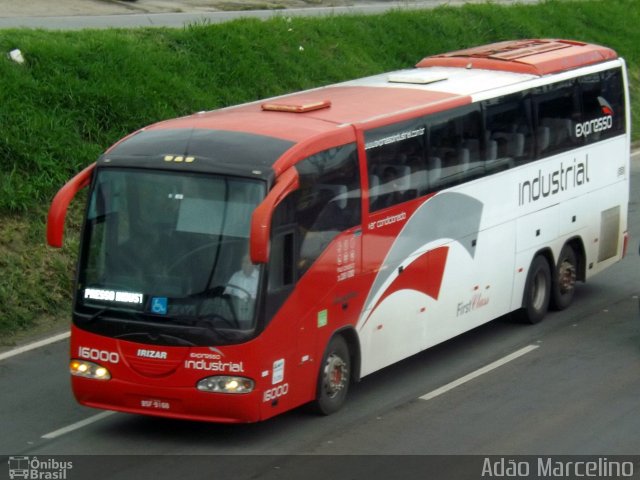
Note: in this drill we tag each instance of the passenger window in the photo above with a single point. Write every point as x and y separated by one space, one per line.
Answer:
557 110
396 164
457 147
508 129
603 109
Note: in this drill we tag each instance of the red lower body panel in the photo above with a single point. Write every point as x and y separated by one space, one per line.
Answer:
182 403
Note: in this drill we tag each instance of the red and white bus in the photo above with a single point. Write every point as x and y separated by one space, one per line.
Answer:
238 263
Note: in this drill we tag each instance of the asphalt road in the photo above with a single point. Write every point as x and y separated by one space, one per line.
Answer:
573 390
55 16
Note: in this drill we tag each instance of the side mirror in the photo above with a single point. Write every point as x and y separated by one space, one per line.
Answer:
60 203
261 218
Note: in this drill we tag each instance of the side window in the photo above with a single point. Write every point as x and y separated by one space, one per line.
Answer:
282 261
281 269
458 147
508 129
396 163
603 108
557 110
327 202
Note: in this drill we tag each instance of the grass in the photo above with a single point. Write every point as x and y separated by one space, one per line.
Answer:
79 92
36 281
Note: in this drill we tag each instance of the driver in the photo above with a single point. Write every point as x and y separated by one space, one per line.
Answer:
244 281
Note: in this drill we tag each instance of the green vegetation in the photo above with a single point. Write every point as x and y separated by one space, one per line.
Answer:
79 92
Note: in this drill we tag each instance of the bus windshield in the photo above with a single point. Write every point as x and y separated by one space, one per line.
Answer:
170 248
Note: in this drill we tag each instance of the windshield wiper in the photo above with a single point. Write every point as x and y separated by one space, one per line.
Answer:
99 313
209 325
216 326
94 316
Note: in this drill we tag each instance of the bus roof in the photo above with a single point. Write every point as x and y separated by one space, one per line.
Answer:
349 104
537 57
439 82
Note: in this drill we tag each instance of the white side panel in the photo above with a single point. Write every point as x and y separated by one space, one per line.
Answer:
394 330
474 290
539 205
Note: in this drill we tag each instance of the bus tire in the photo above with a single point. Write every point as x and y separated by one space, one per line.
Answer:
537 291
334 377
564 281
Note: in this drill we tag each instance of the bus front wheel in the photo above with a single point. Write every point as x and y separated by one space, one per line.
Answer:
334 377
537 290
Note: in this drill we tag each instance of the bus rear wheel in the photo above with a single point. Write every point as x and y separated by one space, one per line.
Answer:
537 291
334 377
564 282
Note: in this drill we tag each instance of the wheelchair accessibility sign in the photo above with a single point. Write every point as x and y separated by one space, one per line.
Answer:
159 305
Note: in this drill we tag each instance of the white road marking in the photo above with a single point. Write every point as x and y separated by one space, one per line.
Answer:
477 373
34 345
42 343
77 425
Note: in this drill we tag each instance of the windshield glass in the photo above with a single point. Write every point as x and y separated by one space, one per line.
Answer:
171 247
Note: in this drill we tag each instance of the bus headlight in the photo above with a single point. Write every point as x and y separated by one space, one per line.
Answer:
83 368
226 384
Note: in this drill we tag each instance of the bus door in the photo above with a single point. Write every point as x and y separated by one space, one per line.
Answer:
315 259
327 211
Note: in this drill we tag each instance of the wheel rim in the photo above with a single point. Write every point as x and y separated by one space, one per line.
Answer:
539 292
336 375
566 277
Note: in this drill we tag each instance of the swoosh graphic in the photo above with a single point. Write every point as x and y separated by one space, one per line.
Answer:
448 215
423 274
